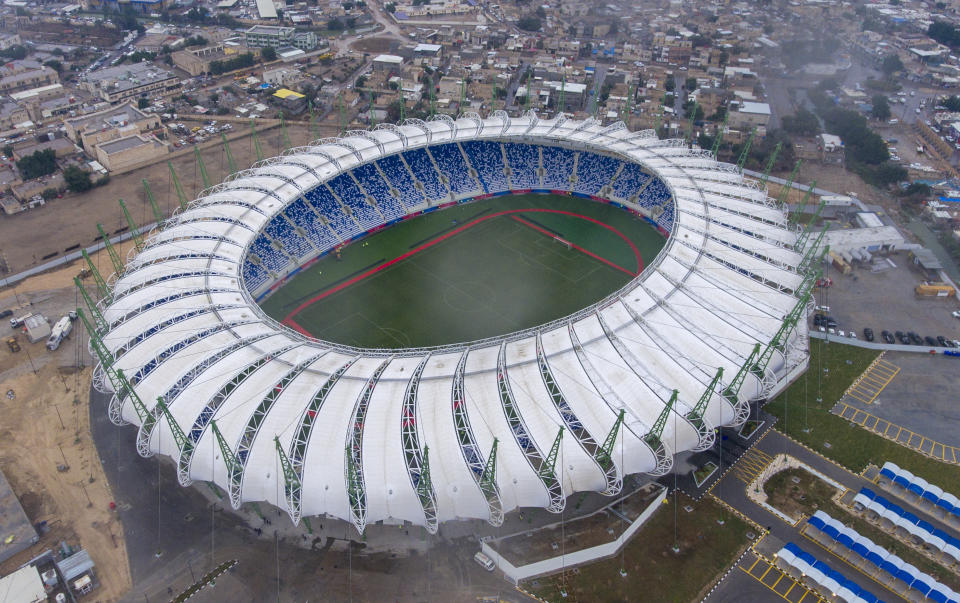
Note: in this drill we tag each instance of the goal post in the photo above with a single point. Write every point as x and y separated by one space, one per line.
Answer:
563 241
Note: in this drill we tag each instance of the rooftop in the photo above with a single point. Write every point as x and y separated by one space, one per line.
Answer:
112 117
758 108
15 527
123 77
126 143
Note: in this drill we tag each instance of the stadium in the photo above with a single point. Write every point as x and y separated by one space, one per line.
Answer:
270 410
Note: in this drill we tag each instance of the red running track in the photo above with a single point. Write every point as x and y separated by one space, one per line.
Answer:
290 322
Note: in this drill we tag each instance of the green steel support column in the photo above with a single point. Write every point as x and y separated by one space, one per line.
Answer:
731 391
306 522
424 487
795 215
785 189
91 306
231 164
111 251
693 119
256 141
202 167
781 335
605 454
284 137
403 107
745 153
176 185
138 404
529 91
770 162
550 463
291 481
656 125
343 117
563 92
805 235
102 290
718 139
157 214
373 118
656 431
354 488
801 246
134 229
229 458
179 437
433 98
696 415
488 479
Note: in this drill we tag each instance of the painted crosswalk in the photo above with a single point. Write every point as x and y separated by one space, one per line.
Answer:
878 376
776 580
751 464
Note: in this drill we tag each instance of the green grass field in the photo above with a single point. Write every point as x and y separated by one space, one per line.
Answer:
500 274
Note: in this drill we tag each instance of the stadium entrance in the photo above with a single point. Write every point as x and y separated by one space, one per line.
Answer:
468 272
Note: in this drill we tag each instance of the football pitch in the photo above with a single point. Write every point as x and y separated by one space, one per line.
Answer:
468 272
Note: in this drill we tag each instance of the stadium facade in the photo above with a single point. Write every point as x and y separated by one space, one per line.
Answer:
462 431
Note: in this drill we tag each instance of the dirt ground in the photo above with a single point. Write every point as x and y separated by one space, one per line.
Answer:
29 237
45 428
373 45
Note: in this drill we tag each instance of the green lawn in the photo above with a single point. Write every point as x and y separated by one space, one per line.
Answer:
849 445
497 276
654 571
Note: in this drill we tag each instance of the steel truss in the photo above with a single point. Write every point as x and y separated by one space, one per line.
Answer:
416 458
472 456
662 456
353 465
297 452
611 472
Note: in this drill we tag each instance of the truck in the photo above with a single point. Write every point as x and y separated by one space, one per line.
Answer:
18 321
60 331
839 263
934 289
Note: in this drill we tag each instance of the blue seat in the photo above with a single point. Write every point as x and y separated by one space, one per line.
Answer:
352 197
632 178
594 172
486 157
421 167
282 232
524 161
300 214
375 186
399 177
557 167
324 203
272 258
453 166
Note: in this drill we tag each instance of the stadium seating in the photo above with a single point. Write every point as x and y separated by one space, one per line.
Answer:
827 578
594 172
254 275
558 166
921 531
487 159
881 558
282 232
451 163
272 258
300 214
524 160
946 502
326 205
371 180
352 197
399 177
422 169
658 195
631 180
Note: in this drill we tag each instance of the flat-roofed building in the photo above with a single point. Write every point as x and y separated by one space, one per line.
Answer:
125 152
749 114
116 84
28 79
116 122
273 36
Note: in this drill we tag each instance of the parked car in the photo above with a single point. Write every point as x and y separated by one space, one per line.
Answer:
915 339
929 340
903 338
868 334
887 337
942 341
956 313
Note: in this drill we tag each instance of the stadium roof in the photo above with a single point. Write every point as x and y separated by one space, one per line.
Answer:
352 427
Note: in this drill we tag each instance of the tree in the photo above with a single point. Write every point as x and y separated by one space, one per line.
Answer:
40 163
394 111
690 84
77 180
390 7
670 85
951 103
891 64
803 123
55 65
143 103
8 150
881 108
540 12
529 23
268 54
335 24
361 82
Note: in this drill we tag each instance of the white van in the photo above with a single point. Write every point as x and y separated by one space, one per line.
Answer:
486 562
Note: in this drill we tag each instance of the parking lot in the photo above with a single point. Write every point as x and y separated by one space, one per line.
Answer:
885 300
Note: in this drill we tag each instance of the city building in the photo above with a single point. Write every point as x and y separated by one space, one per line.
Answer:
116 84
273 36
122 153
116 122
23 80
749 114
